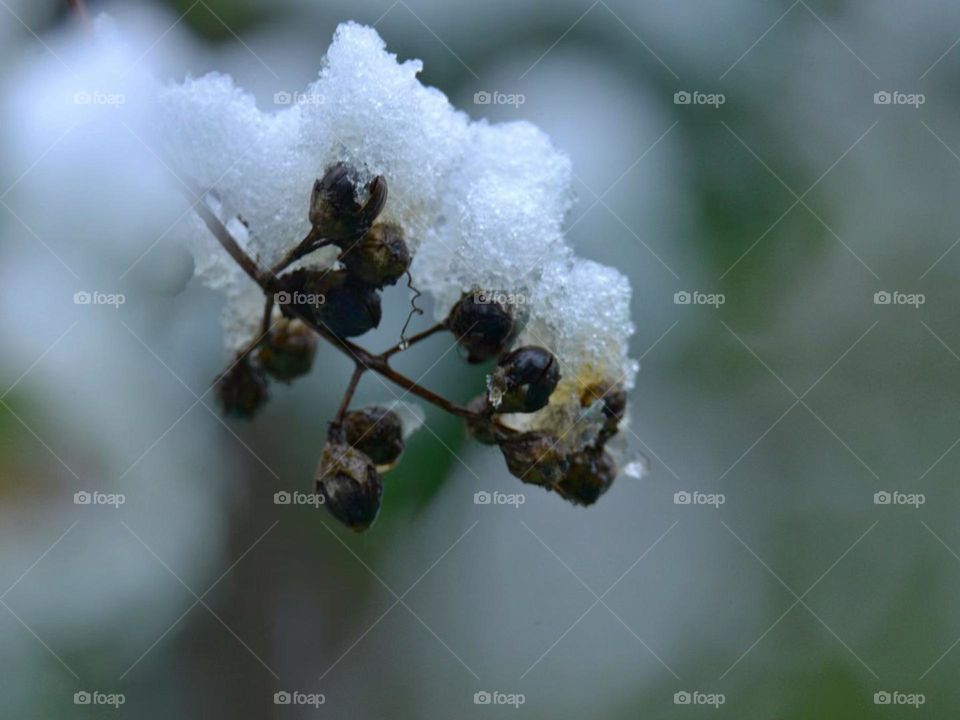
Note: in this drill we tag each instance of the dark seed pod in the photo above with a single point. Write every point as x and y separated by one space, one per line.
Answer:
331 300
483 327
376 432
614 399
334 210
481 429
380 258
241 389
350 486
351 309
591 474
535 458
288 350
524 380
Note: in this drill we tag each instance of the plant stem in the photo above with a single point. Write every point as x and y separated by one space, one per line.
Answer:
358 371
268 282
410 342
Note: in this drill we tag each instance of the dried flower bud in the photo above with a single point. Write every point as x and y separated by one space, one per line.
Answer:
614 404
380 258
350 486
288 350
483 327
334 210
535 458
524 380
481 429
351 309
590 475
376 432
330 299
241 389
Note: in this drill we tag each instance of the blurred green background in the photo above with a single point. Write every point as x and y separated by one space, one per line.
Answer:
797 199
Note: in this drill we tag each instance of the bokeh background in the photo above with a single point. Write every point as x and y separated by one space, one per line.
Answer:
800 397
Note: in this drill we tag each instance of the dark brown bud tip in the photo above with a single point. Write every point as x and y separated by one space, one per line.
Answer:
380 258
335 211
524 380
376 432
350 486
590 475
288 350
241 389
535 458
482 325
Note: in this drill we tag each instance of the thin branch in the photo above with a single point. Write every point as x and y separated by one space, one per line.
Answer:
411 341
347 397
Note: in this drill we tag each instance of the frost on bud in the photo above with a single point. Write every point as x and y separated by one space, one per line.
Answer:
334 210
481 428
376 432
590 475
524 380
612 399
380 258
483 329
241 389
350 486
288 350
535 458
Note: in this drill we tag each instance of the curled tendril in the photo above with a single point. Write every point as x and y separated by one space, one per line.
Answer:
414 310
